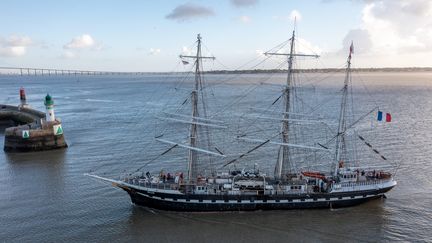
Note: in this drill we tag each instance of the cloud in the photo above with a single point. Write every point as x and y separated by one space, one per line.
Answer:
245 19
305 47
15 40
186 51
84 41
14 46
361 40
189 11
80 43
13 51
295 15
154 51
243 3
69 55
391 27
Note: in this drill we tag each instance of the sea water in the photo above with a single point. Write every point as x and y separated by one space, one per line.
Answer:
109 122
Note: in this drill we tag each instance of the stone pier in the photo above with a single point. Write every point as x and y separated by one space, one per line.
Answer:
31 131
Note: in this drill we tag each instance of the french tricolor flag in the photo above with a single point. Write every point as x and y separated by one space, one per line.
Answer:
388 116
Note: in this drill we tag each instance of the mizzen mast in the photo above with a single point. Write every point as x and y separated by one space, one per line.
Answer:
341 150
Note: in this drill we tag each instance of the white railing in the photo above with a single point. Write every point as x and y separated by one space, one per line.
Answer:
153 185
364 183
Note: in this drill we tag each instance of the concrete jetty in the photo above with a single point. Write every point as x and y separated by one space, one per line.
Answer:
32 130
18 115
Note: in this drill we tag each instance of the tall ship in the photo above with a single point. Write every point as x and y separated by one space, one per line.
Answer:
344 183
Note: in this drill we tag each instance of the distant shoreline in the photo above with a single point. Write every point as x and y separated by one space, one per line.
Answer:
323 70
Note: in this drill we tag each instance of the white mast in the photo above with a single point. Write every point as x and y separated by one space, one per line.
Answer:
283 163
341 153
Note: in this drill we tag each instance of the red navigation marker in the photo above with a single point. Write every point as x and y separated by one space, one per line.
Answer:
23 97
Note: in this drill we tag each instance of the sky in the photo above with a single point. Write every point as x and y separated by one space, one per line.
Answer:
148 35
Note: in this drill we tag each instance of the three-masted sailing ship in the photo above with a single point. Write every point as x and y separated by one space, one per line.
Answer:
343 185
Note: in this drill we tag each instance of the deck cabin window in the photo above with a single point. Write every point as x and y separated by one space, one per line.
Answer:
200 188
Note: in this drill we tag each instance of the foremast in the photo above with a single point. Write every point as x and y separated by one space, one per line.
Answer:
194 101
193 133
341 150
283 165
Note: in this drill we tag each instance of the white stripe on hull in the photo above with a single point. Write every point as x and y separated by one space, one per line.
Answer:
283 201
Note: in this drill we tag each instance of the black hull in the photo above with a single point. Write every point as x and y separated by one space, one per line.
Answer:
203 203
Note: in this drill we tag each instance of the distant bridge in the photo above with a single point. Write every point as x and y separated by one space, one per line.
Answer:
51 71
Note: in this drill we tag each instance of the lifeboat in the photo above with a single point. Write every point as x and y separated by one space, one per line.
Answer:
314 174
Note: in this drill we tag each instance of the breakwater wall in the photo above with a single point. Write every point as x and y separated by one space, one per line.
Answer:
32 133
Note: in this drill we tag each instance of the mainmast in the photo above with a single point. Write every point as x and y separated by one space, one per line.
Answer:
341 152
283 164
194 100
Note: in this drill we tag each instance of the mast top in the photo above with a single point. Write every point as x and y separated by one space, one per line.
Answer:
291 54
197 57
351 51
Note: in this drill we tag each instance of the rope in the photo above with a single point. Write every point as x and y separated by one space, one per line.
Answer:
371 147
